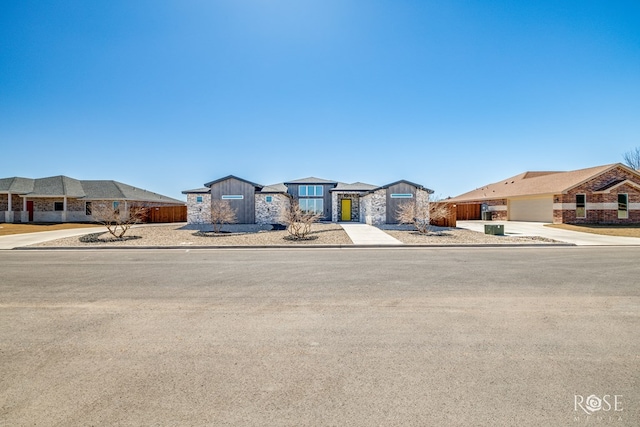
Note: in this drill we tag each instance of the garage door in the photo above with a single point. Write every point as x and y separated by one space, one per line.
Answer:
538 210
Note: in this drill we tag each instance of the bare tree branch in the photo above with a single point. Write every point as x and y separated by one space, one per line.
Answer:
117 222
422 215
222 213
298 221
632 158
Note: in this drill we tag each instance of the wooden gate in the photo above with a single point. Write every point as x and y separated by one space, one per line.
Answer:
166 214
469 211
450 219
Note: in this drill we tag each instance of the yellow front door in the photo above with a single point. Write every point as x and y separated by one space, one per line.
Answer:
346 209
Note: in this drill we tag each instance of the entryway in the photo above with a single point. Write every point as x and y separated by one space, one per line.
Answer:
345 206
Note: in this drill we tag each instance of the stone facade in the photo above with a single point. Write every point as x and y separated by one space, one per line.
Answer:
337 197
373 208
199 212
269 212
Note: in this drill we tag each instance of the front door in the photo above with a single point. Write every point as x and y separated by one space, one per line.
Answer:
30 210
346 210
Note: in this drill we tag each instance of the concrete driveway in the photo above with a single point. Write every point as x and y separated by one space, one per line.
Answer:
519 228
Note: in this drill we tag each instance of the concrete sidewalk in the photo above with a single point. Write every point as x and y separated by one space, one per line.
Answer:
17 240
519 228
364 234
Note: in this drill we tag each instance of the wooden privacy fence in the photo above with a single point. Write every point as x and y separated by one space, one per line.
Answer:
450 219
469 211
166 214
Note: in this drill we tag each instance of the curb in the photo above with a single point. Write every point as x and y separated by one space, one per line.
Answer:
186 247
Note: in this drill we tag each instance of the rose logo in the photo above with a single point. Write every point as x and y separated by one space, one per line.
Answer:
594 403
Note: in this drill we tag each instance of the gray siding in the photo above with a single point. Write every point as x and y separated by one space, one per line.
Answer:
245 208
393 204
326 197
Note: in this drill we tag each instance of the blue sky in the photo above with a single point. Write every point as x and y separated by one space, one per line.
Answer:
168 95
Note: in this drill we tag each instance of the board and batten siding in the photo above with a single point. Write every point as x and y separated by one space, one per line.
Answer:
393 204
245 208
326 196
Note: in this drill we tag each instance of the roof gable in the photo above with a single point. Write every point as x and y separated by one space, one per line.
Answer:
534 183
209 184
311 180
404 181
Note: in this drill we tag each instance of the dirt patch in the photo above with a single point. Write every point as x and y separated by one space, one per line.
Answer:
9 228
606 230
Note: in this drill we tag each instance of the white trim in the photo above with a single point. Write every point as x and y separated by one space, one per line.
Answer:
497 208
232 197
401 196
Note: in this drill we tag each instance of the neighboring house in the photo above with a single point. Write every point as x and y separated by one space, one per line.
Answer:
334 201
64 199
608 194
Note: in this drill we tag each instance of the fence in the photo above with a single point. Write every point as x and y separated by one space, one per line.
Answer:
450 219
166 214
468 211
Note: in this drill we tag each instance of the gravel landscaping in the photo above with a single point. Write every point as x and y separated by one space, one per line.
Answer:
181 235
460 236
254 235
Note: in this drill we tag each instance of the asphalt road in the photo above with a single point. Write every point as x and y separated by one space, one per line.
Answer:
366 337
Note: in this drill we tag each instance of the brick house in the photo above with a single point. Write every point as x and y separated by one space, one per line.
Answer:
64 199
335 201
608 194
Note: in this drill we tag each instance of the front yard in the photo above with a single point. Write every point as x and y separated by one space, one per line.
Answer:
606 230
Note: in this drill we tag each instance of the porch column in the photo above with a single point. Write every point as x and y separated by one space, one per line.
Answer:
8 217
64 209
24 215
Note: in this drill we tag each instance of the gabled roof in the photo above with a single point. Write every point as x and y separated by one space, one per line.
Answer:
204 190
356 186
209 184
615 184
16 185
311 180
274 188
537 183
404 181
107 190
63 186
57 186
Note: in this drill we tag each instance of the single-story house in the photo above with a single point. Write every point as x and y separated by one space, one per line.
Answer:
608 194
64 199
334 200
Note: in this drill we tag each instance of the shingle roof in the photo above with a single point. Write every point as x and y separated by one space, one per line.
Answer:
95 190
534 183
356 186
311 180
16 185
274 188
197 191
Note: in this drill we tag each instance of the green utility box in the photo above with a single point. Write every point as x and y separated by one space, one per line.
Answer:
495 229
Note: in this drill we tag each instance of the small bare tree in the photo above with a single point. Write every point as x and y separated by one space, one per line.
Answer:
117 222
297 220
422 216
632 158
222 213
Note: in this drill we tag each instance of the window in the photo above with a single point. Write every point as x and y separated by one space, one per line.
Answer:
232 197
269 199
312 205
87 208
401 196
198 199
116 207
58 206
310 191
581 205
623 206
